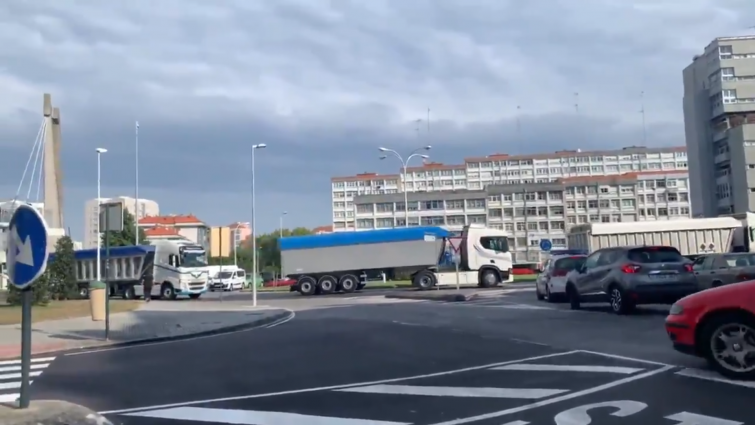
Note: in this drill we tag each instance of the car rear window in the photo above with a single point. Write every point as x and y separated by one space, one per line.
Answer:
571 263
659 254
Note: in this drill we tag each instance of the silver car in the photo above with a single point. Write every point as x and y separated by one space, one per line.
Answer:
714 270
551 282
628 276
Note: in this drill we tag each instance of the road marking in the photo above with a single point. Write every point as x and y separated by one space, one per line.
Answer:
284 320
517 423
558 399
565 368
514 393
18 362
629 359
290 316
252 417
335 387
10 376
526 341
18 375
18 368
713 376
11 386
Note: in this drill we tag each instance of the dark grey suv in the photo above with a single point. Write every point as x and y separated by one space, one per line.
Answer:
628 276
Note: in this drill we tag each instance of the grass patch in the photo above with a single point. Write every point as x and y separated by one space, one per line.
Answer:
58 310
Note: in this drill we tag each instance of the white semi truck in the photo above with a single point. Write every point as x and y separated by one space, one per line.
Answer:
346 261
690 236
176 268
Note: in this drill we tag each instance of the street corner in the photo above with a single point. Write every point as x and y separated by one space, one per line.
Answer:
51 412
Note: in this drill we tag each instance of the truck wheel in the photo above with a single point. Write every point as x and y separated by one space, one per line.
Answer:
327 284
349 283
167 292
129 293
489 279
307 285
424 280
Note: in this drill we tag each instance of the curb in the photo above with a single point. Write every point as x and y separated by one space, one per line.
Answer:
273 318
429 297
51 412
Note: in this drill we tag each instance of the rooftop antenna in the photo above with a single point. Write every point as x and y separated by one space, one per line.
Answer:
418 122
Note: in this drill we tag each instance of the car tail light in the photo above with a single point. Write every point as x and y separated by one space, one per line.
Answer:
559 272
630 268
688 267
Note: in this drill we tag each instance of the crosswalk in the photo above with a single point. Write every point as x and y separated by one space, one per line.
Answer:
427 399
10 376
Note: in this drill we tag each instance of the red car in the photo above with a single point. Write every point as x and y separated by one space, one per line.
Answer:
718 324
279 282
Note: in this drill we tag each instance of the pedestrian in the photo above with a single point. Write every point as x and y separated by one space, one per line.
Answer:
147 282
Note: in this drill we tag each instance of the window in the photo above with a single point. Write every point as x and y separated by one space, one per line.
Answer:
729 95
727 73
725 52
660 254
498 244
569 263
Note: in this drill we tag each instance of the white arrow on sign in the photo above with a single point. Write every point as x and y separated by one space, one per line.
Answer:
24 255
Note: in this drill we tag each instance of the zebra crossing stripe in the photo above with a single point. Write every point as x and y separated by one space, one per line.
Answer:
511 393
568 368
10 376
252 417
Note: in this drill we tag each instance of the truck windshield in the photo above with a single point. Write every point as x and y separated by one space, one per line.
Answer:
193 259
497 243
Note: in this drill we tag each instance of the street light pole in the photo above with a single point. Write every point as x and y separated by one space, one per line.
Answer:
405 165
280 237
254 229
136 187
100 151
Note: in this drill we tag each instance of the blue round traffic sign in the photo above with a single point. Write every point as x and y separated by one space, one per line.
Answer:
545 244
27 246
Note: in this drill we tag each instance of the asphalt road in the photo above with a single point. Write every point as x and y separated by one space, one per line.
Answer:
504 359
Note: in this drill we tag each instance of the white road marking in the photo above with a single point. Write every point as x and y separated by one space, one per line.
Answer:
18 368
517 423
335 387
630 359
290 316
18 362
713 376
252 417
9 398
512 393
11 385
569 368
558 399
284 320
18 375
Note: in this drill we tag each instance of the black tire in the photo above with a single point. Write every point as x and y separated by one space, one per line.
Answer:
540 296
548 296
489 279
348 283
307 285
327 284
167 292
195 296
716 284
620 303
573 295
84 292
129 293
708 336
424 280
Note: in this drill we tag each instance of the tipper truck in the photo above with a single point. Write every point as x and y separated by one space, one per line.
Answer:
429 256
690 236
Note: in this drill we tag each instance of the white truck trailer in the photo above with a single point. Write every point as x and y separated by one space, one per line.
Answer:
177 269
345 261
690 236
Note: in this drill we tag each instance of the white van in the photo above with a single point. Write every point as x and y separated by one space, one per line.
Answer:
227 278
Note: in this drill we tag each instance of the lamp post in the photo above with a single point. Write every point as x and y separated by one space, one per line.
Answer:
280 236
405 164
254 230
100 151
136 184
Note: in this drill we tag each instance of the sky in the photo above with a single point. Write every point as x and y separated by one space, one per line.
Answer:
324 83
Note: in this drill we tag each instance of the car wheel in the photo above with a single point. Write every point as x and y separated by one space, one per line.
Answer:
539 295
573 295
728 343
548 295
620 304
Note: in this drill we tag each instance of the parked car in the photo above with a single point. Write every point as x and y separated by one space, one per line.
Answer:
279 282
628 276
551 282
717 324
714 270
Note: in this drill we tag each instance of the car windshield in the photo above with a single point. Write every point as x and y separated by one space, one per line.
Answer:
653 254
225 275
193 259
569 264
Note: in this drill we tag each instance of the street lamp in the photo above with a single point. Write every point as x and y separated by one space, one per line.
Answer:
280 237
100 151
405 164
254 230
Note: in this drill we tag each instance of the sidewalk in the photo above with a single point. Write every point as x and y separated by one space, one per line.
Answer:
156 320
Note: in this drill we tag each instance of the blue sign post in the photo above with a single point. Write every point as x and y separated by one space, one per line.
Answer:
27 260
546 245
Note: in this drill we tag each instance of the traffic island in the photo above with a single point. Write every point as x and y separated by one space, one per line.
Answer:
50 412
440 296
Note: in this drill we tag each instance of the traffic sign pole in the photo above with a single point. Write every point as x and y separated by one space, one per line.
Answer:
26 298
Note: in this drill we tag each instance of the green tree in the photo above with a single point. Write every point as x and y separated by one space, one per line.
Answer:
62 271
126 236
40 292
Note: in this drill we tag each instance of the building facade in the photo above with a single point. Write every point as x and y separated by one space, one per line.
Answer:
240 231
532 212
719 124
143 208
188 227
499 169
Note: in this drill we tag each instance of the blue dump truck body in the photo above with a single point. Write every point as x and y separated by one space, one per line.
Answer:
361 254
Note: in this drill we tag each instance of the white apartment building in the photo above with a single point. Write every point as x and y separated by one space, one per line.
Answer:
501 169
142 208
719 124
532 212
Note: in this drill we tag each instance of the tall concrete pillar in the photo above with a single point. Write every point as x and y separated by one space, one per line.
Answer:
52 197
58 168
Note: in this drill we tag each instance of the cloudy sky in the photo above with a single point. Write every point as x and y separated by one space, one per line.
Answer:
325 82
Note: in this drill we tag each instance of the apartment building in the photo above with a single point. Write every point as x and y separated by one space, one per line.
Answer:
188 227
500 169
535 211
719 124
140 209
241 230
